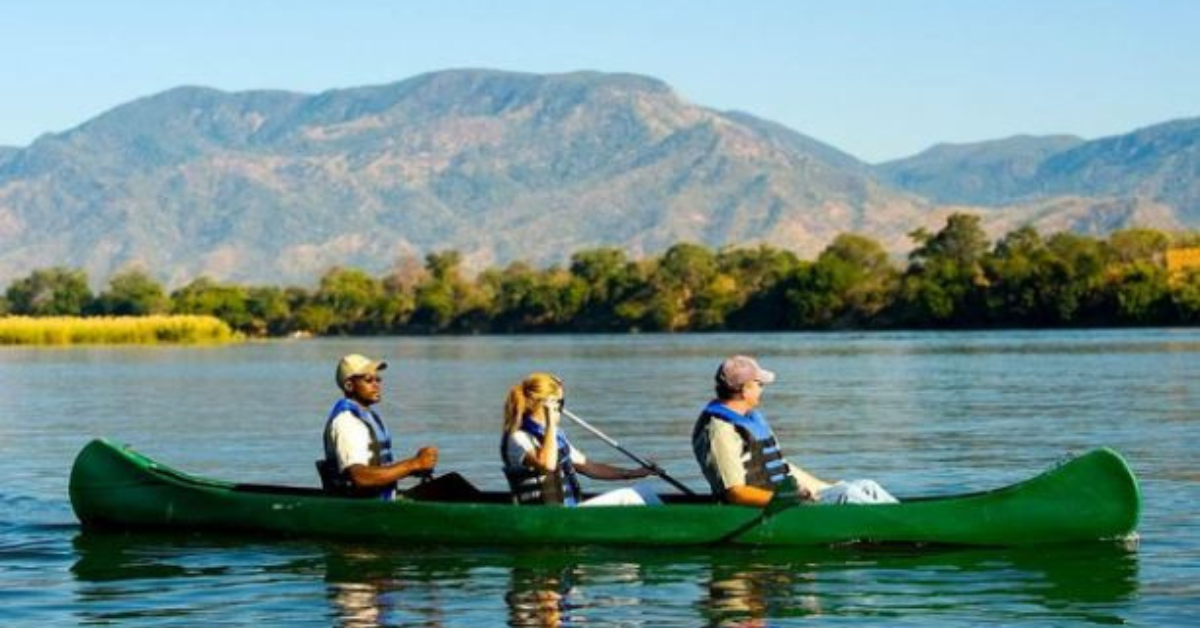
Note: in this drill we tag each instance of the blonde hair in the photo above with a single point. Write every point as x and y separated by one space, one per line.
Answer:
527 395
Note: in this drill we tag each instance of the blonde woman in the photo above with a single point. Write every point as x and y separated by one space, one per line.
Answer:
542 466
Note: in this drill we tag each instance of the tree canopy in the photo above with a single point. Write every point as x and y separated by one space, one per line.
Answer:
954 278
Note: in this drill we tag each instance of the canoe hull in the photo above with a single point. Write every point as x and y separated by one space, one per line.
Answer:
1092 497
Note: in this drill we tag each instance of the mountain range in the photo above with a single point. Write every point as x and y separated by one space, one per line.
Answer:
276 187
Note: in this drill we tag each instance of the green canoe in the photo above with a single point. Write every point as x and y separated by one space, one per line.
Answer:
1090 497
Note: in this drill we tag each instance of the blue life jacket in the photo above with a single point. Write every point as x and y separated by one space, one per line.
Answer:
765 466
532 486
336 481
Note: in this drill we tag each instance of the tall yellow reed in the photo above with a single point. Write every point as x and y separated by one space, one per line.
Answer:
70 330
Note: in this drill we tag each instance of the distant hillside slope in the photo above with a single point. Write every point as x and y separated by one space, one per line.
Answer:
993 173
274 187
1159 164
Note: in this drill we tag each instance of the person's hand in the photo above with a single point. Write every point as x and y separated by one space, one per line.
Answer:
553 411
426 458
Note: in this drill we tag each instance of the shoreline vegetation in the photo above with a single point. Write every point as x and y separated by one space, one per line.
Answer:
953 279
111 330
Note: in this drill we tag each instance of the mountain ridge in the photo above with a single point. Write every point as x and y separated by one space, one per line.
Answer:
275 186
1159 163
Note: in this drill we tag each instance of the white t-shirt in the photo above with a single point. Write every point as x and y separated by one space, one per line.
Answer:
351 440
522 442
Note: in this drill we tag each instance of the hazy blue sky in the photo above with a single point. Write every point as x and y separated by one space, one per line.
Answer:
879 80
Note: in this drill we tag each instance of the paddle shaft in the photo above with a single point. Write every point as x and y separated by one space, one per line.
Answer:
659 471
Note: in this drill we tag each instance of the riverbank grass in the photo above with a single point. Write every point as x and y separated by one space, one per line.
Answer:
108 330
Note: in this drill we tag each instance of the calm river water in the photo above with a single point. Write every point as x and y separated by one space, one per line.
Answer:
919 412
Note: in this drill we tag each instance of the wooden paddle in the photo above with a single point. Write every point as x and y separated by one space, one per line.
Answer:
786 497
659 471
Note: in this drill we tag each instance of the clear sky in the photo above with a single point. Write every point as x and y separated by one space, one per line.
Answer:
878 79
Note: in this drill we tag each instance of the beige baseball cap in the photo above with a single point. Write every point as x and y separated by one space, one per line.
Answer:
739 370
354 364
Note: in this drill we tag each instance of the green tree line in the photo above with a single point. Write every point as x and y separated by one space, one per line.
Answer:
954 278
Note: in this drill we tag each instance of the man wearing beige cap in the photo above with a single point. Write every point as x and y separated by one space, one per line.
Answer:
738 452
358 447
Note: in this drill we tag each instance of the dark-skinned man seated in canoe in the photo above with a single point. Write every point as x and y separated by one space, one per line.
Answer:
740 456
358 447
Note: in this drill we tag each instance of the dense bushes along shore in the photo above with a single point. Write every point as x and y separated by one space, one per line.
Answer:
954 278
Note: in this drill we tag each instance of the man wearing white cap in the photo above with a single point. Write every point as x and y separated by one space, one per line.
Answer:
358 447
738 452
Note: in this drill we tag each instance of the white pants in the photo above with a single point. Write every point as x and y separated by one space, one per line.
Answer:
636 495
856 492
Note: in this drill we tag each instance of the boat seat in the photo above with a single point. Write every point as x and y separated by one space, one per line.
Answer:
448 487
